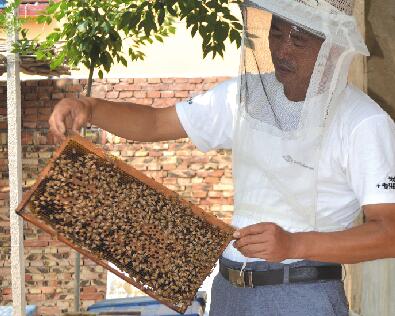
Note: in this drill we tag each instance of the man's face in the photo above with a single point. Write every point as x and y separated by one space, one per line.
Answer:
294 53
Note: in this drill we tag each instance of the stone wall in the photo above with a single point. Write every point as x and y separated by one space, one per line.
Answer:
205 179
380 25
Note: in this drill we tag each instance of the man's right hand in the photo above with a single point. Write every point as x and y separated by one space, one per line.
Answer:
70 114
125 119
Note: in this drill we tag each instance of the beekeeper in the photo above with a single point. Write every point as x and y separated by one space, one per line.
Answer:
310 152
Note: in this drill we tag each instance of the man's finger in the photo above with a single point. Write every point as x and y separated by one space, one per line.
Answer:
254 252
78 123
258 228
250 239
56 136
54 130
252 249
57 123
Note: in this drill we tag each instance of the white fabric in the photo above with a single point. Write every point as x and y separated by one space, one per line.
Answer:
342 28
289 172
357 158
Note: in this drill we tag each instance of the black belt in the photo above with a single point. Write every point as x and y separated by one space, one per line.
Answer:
251 278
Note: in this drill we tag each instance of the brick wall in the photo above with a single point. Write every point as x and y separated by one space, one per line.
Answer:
205 179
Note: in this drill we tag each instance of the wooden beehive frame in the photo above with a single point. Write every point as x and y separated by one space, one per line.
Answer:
24 207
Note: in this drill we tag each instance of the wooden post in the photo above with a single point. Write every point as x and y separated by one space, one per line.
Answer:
358 77
378 277
15 169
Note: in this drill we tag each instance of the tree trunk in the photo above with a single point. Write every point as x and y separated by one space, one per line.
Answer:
90 79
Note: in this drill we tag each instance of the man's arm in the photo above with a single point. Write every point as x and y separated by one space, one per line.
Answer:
375 239
127 120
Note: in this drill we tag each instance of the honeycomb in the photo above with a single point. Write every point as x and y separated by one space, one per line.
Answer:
112 213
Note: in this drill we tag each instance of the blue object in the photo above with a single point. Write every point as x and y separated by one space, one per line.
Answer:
31 310
3 4
148 306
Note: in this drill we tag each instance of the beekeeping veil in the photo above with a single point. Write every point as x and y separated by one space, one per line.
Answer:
284 148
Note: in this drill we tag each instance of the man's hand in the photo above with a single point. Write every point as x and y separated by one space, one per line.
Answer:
69 114
125 119
266 241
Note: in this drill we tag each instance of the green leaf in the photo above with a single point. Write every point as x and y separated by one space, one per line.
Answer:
41 19
100 73
159 38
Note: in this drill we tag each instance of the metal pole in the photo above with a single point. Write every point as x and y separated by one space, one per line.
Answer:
77 267
77 282
15 169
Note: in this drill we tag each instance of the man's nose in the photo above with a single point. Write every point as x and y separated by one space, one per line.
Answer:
284 48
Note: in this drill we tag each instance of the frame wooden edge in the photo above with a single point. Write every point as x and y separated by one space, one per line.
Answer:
41 176
104 264
212 219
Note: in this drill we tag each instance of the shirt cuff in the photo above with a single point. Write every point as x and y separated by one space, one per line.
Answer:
378 199
188 127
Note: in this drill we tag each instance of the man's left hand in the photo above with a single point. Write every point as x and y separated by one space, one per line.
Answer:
264 240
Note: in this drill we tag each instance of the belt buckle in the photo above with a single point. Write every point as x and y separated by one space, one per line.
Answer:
237 278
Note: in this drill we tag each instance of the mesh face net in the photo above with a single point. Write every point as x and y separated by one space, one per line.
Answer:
293 130
341 41
339 6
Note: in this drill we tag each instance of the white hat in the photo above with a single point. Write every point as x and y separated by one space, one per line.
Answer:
332 17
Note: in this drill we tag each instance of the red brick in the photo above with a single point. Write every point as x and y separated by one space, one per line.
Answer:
139 94
139 80
35 298
167 94
181 94
155 154
48 310
89 289
220 79
35 243
7 291
91 296
58 96
183 86
210 79
160 103
154 80
48 289
74 88
62 83
127 87
45 82
126 94
143 101
153 94
31 83
195 80
29 124
6 298
212 180
112 95
181 80
216 173
158 87
29 96
46 111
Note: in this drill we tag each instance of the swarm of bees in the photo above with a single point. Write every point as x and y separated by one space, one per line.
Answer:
157 239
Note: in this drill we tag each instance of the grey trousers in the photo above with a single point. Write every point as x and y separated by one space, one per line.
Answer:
321 298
